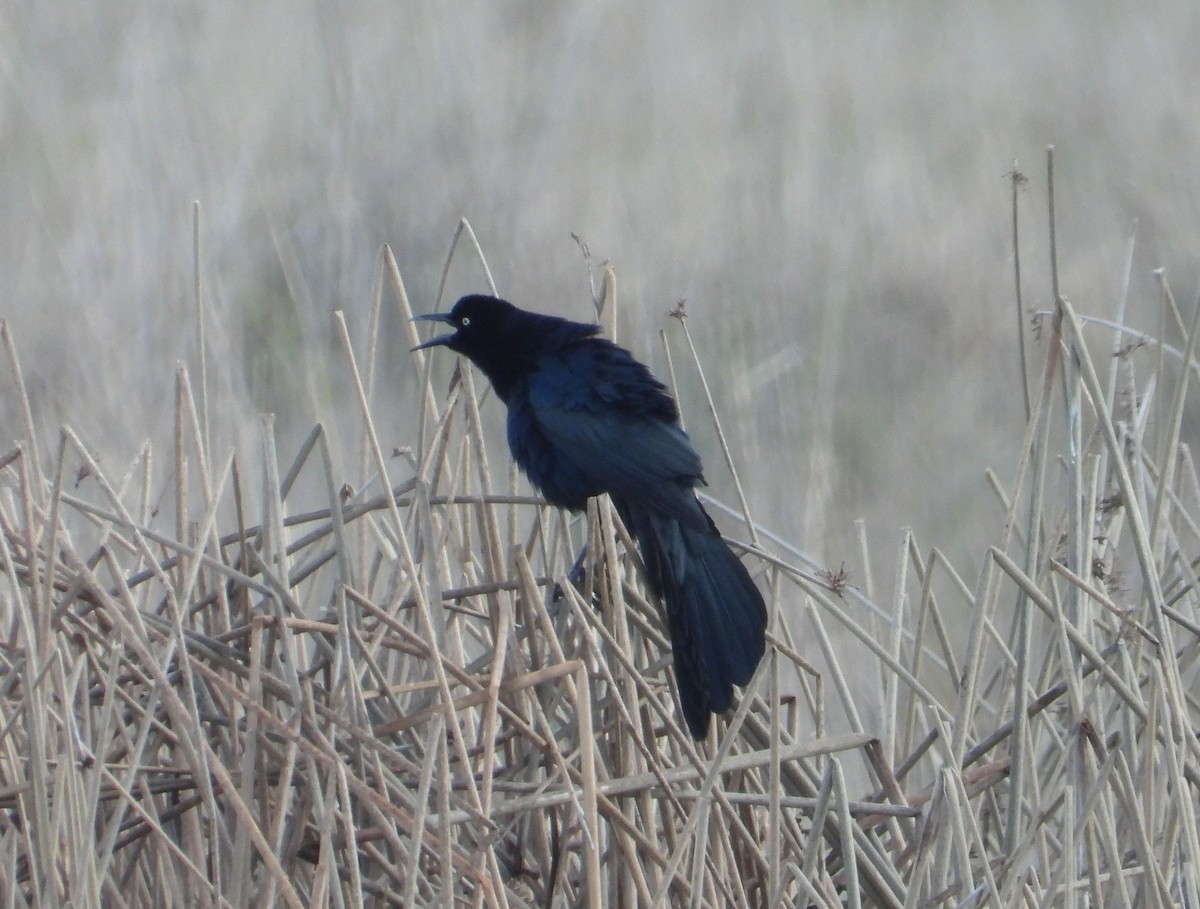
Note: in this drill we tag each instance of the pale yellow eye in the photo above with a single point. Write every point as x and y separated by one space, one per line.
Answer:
464 321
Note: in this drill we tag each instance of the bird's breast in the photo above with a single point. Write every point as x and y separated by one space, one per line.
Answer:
551 470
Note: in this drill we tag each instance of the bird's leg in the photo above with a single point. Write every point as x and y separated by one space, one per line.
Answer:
576 576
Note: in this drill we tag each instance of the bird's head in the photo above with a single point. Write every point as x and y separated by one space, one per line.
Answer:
478 322
503 341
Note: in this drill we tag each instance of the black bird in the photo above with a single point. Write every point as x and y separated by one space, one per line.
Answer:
585 418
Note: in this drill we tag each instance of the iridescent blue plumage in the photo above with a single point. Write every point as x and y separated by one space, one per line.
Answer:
586 418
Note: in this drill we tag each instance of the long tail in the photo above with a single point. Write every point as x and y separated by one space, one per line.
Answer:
715 614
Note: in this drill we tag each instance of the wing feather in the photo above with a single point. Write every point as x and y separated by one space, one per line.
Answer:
636 459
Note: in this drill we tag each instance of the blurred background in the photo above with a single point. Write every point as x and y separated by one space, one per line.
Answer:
824 184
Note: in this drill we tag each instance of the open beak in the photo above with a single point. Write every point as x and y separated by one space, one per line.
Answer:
438 340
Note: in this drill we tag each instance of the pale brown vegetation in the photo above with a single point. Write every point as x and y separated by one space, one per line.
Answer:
395 699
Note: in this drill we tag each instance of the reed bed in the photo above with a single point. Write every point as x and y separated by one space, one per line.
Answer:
398 699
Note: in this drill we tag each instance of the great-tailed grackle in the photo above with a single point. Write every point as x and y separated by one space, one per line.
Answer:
585 418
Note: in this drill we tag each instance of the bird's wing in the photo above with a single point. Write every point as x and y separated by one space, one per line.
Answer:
613 442
635 460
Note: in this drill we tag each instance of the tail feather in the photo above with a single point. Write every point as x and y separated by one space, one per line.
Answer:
715 614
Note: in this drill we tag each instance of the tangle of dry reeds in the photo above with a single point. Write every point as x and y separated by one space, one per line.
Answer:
397 699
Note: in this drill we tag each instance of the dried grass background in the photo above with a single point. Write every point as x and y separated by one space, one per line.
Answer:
234 671
396 699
